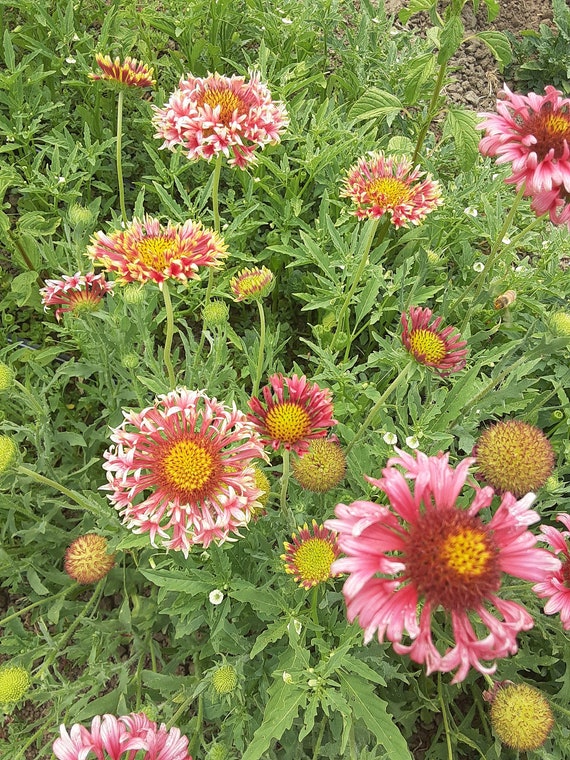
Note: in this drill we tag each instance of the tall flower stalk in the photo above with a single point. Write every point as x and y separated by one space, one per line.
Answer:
118 156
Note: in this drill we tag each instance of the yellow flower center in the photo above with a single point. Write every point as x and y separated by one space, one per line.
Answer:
521 717
155 252
558 125
551 131
226 99
313 560
188 466
466 552
427 346
388 192
288 422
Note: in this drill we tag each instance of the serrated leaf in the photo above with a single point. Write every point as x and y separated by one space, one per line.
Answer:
450 39
360 668
414 6
372 711
36 223
191 582
375 104
272 633
460 124
280 711
498 43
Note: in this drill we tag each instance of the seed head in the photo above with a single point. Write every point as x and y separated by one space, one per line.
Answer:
321 468
520 715
86 559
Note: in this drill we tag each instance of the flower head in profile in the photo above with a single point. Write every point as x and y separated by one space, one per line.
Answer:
217 114
146 250
514 456
426 556
532 133
520 715
78 293
182 470
252 284
381 185
556 587
322 467
293 412
87 559
310 555
441 349
121 739
128 73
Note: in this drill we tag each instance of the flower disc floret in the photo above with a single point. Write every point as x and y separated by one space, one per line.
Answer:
310 555
514 456
425 555
441 349
87 559
381 185
146 250
294 413
556 587
121 739
521 716
129 73
183 470
532 133
252 284
218 114
78 293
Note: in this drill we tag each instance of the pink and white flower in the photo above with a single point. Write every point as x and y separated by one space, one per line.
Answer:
218 114
76 293
443 350
425 554
183 470
556 587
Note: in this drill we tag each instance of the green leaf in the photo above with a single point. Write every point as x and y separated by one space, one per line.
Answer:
372 711
9 57
22 287
191 582
366 299
450 39
360 668
460 125
272 633
415 6
36 223
498 43
375 104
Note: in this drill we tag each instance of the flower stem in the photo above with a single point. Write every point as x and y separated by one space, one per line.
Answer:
119 155
315 609
62 592
400 377
432 111
169 335
259 368
445 718
73 495
285 509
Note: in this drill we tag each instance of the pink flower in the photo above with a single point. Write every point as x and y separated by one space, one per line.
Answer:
121 739
147 251
183 469
295 413
532 132
441 349
427 550
553 202
556 587
220 115
380 185
78 293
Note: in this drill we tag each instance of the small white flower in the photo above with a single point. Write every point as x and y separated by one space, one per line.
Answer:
216 597
287 677
478 266
506 240
75 38
60 180
286 21
412 442
312 683
390 438
70 59
470 211
494 177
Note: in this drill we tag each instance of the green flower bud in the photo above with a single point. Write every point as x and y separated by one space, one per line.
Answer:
79 216
215 314
224 679
8 452
14 683
6 377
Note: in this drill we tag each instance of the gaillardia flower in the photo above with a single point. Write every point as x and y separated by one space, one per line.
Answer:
295 412
183 470
121 739
218 114
520 715
14 683
87 559
147 251
130 72
441 349
252 284
556 586
379 185
532 132
310 555
514 456
425 556
79 293
321 468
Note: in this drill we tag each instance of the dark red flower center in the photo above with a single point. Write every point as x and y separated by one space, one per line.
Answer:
551 129
452 559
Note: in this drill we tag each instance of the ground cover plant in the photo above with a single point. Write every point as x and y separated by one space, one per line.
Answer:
284 378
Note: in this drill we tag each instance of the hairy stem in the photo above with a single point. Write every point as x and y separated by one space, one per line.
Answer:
169 335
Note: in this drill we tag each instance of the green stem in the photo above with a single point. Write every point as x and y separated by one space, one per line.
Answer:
445 718
119 156
285 509
432 111
560 709
169 334
14 615
400 377
31 398
320 738
73 495
259 368
315 609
